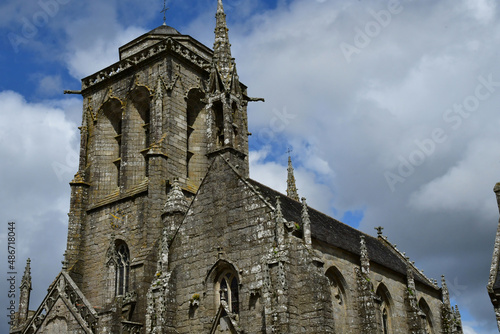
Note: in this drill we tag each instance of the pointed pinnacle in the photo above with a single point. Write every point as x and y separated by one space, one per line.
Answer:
365 261
291 188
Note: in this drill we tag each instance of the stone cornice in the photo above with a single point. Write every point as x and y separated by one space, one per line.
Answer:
167 45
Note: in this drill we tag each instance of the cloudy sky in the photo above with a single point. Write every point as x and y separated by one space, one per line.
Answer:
390 108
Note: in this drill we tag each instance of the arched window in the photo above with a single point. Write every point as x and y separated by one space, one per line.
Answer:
226 289
106 142
122 268
426 314
196 160
235 116
219 123
385 322
136 136
385 303
338 297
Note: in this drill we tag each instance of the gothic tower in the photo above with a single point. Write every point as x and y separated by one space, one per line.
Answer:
152 119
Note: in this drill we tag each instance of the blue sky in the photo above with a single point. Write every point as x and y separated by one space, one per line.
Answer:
392 118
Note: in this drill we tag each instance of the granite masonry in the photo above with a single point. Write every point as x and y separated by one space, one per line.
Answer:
168 234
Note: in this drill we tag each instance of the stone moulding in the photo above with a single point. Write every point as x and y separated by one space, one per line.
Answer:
168 44
117 196
64 288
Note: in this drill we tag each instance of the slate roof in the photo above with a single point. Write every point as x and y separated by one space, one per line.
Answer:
338 234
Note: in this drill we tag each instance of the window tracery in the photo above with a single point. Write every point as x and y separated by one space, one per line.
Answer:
338 296
227 290
123 269
426 314
384 299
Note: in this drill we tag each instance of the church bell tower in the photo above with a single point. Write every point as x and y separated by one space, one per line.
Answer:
152 122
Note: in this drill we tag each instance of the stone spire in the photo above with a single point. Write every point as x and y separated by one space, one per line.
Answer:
365 261
223 61
291 188
227 103
306 223
24 298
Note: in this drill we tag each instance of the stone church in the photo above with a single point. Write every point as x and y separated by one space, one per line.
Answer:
168 234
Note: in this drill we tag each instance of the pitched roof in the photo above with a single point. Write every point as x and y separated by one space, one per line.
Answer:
338 234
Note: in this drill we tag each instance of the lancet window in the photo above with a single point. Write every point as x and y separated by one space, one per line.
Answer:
385 302
426 314
122 269
227 289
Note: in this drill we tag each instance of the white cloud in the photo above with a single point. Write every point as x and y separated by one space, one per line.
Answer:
357 118
470 182
274 174
469 330
49 85
482 10
34 136
101 52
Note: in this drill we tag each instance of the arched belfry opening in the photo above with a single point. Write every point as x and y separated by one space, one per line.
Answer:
106 148
196 160
136 136
219 131
236 124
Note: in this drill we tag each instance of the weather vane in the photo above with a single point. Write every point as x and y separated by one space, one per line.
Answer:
289 151
164 11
